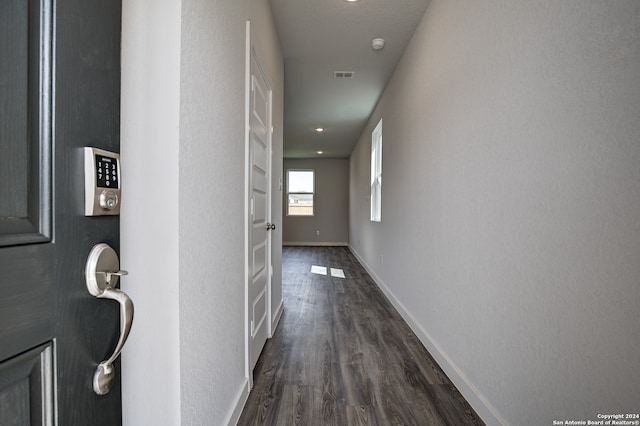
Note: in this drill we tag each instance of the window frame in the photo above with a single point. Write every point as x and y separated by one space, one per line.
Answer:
289 193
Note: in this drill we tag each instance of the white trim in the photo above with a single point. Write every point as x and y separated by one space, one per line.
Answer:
480 404
313 244
376 174
240 400
267 79
276 319
247 213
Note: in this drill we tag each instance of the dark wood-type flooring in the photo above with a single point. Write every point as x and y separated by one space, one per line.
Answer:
342 355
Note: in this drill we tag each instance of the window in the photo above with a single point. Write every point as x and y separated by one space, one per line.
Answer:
300 187
376 173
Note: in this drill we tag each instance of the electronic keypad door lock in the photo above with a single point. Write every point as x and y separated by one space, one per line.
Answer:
101 182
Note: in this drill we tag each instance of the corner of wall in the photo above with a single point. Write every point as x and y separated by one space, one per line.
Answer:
242 395
474 397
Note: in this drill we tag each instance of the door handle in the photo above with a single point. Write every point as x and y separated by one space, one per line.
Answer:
102 273
271 226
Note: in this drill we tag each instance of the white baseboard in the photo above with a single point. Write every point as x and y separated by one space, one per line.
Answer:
480 404
314 244
240 400
243 393
276 318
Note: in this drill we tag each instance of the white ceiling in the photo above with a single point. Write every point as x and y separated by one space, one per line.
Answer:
319 37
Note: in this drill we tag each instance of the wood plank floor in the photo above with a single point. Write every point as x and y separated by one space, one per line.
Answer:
342 355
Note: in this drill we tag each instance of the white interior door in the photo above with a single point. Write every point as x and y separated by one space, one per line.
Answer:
259 172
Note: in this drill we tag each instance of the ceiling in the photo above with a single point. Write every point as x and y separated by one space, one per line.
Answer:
319 37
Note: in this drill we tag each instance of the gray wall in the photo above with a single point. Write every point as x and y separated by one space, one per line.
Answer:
331 210
511 202
183 127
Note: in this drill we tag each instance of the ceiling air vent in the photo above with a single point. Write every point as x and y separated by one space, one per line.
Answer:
343 74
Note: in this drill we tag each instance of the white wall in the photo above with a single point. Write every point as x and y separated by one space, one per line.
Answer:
149 237
331 204
511 203
211 202
183 97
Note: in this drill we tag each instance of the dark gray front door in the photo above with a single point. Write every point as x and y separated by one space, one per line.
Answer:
59 91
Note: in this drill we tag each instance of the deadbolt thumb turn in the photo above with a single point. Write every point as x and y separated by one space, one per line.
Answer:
102 273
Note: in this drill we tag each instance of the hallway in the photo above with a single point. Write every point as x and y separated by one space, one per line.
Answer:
342 355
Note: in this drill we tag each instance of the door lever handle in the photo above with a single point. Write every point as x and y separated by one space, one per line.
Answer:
105 373
102 273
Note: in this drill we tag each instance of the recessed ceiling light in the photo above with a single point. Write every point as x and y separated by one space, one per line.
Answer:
319 129
319 152
351 1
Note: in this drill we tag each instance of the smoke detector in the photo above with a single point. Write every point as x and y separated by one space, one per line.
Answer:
377 43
